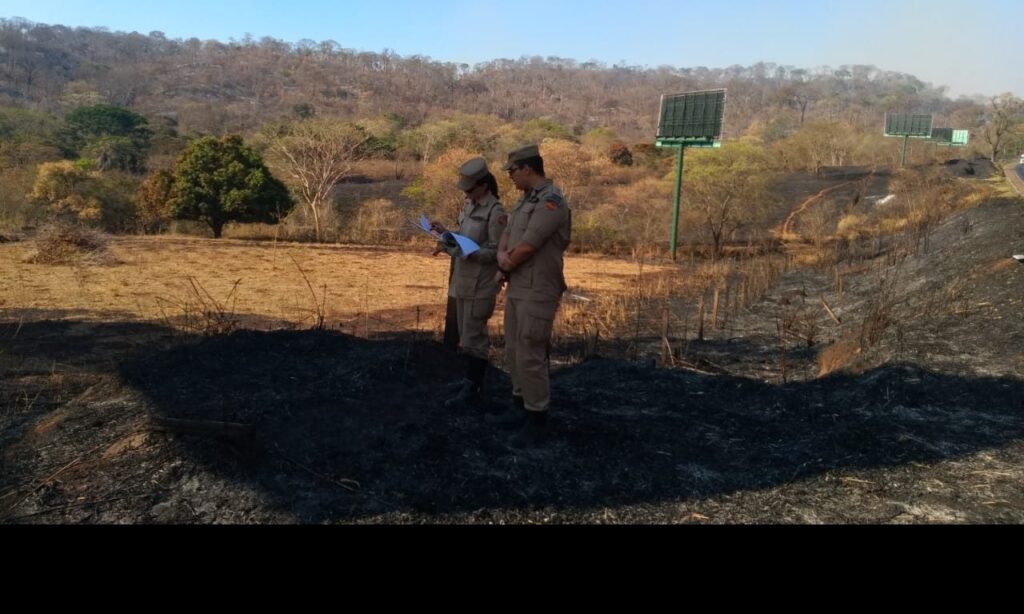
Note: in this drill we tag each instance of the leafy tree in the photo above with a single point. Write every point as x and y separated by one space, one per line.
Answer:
115 153
727 189
26 126
114 138
87 124
222 180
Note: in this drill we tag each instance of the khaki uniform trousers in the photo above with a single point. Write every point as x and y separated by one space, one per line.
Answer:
528 326
472 315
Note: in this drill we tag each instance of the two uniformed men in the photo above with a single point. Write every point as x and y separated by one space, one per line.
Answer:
525 251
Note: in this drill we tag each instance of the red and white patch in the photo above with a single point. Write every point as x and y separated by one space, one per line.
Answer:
503 220
551 205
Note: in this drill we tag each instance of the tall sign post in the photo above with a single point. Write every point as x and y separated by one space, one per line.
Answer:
908 126
691 119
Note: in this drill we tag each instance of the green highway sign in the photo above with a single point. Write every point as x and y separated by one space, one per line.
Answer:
918 126
692 118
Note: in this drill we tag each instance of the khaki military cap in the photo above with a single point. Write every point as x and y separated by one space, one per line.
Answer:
472 172
523 153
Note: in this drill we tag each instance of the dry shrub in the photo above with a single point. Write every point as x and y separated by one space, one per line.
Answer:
924 198
712 274
627 217
199 312
568 165
377 222
837 356
71 244
852 227
385 170
880 316
605 172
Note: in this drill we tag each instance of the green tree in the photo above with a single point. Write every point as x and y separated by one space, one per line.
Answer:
26 138
222 180
727 189
90 126
428 141
26 126
115 153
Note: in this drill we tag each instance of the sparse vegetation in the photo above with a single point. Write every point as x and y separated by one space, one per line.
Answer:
832 322
70 244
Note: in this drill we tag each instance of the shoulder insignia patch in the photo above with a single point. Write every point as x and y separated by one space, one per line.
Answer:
503 220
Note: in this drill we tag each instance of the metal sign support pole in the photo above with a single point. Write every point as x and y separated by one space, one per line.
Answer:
678 197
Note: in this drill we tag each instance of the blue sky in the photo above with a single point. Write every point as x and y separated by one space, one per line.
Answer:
971 47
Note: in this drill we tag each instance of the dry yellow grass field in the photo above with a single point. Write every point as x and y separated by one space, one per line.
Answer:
367 289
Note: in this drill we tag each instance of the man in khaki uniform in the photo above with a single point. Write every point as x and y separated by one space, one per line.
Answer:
472 283
530 259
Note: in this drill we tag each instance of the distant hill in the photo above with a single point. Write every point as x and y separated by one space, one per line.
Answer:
211 86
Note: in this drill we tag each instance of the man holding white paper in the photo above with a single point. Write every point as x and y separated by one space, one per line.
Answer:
474 251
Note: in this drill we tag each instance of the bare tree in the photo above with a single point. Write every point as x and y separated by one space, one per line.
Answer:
1002 121
315 155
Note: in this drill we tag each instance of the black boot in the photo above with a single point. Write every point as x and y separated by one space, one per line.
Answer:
512 418
468 395
476 369
533 432
454 386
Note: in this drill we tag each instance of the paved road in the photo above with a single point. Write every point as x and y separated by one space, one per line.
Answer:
1015 174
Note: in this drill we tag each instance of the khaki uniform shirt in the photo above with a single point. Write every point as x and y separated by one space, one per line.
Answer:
542 219
483 222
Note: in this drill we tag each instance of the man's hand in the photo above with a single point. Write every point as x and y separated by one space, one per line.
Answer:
438 227
500 279
504 262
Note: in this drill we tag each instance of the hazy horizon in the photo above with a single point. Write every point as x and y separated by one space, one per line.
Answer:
940 42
